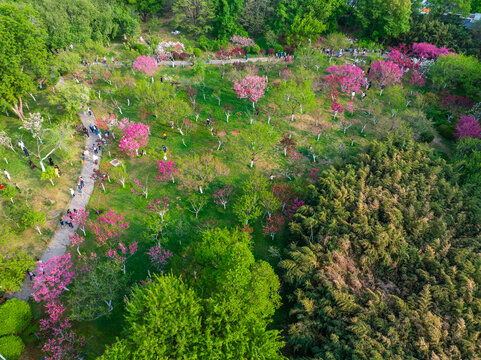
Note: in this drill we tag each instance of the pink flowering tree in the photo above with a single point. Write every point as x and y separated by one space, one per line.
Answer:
348 78
158 257
136 135
79 218
272 226
160 219
429 51
52 278
400 57
140 188
337 108
415 78
468 126
109 228
122 253
145 64
241 41
385 73
252 87
166 171
76 240
61 341
222 196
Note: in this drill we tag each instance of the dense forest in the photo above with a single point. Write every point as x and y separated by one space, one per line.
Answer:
240 179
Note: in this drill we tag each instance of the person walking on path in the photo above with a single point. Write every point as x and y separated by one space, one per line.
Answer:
21 145
30 274
26 152
82 182
72 192
32 165
95 159
7 174
57 171
79 188
50 161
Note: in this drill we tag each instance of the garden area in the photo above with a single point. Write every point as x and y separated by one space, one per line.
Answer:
181 197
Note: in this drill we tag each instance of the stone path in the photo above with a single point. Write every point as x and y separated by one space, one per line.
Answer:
58 244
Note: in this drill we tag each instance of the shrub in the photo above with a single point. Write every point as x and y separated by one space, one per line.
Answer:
270 51
279 48
184 56
175 55
15 315
255 49
262 52
141 49
426 136
204 43
11 347
446 131
197 52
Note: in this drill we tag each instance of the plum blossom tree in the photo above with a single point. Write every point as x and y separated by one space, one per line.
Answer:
52 278
76 240
385 73
61 341
468 126
272 226
166 171
145 64
349 78
222 196
79 218
429 51
241 41
136 135
158 257
122 253
108 228
337 108
252 87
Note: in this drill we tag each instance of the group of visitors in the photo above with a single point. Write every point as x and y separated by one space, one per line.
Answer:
67 218
283 55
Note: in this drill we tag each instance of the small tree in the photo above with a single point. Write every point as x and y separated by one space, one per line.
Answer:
109 228
468 126
166 171
198 171
255 142
145 64
197 202
76 240
49 174
119 173
252 87
222 196
52 278
158 257
385 73
136 135
79 218
140 188
34 218
5 141
272 226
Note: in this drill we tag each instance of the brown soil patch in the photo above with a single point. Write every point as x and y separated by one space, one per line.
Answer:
221 133
235 132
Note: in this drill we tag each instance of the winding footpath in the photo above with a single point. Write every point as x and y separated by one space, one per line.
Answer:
59 242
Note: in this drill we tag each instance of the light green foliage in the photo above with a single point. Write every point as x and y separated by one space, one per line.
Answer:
9 192
439 7
255 142
459 74
13 262
256 195
468 151
73 97
15 316
382 19
193 16
336 41
396 97
11 347
96 290
34 219
66 61
373 252
293 97
220 312
49 174
153 96
305 27
23 56
197 202
255 15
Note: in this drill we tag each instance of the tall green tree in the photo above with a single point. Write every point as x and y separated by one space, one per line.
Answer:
384 19
193 16
23 54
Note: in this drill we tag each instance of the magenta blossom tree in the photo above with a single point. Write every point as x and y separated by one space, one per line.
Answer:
76 240
337 108
158 257
241 41
108 229
222 195
252 87
122 253
272 226
385 73
166 171
416 78
468 126
429 51
79 218
145 64
136 135
348 77
52 278
61 341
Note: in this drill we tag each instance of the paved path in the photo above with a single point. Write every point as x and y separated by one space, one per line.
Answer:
58 244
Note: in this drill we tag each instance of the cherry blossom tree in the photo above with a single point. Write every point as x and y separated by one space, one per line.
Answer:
166 171
61 341
76 240
158 257
79 218
122 253
272 226
286 143
241 41
145 64
429 51
222 196
416 78
109 228
252 87
160 207
52 278
468 126
108 123
385 73
337 108
136 135
349 78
